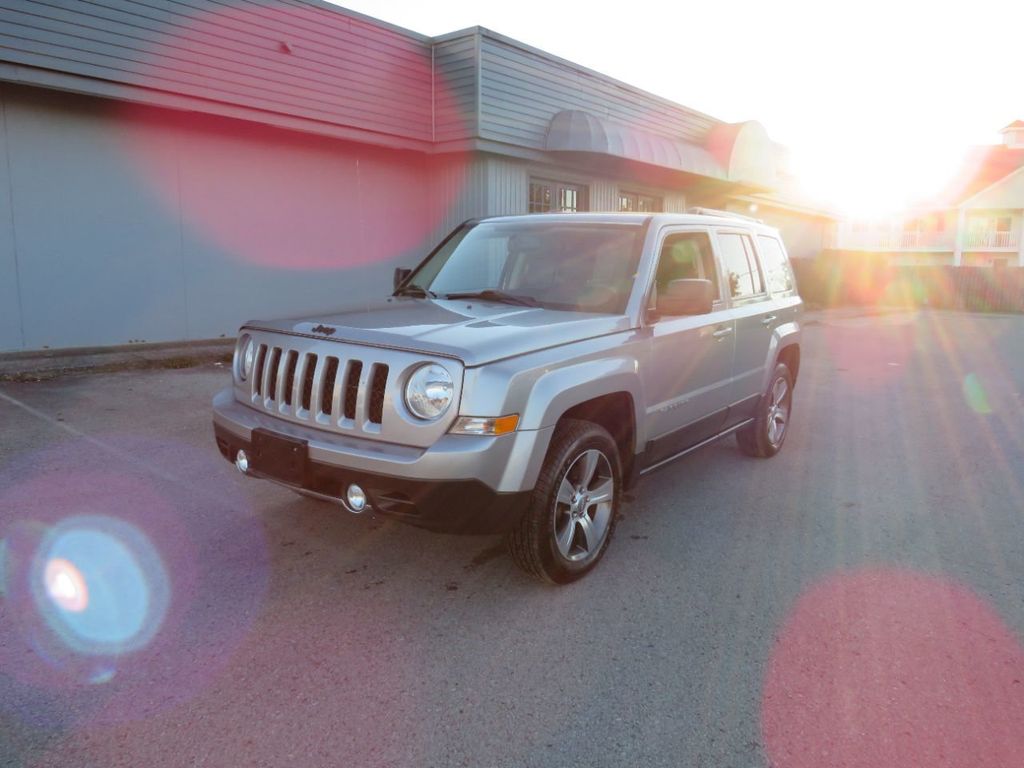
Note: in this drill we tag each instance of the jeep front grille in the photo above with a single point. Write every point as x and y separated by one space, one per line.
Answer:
320 389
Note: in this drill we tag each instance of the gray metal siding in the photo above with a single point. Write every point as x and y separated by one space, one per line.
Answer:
508 187
455 88
458 191
341 69
521 90
151 228
604 195
98 258
10 309
675 202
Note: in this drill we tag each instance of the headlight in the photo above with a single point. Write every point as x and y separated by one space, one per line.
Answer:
429 392
247 348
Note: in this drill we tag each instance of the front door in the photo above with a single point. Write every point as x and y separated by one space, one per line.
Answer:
691 357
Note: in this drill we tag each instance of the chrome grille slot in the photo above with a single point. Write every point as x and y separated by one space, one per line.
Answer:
270 375
355 371
257 370
307 382
291 360
378 387
327 390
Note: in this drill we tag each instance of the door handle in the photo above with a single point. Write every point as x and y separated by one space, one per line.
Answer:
721 333
769 320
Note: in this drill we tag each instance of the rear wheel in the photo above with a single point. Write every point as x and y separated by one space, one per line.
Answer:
574 506
763 438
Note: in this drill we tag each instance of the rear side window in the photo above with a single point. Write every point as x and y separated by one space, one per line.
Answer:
740 266
776 265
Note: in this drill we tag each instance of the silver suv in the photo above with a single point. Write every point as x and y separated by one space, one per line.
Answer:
528 371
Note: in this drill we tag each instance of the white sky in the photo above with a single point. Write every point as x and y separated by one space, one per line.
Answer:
877 101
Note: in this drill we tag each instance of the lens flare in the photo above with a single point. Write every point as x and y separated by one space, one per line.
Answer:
100 586
65 585
975 394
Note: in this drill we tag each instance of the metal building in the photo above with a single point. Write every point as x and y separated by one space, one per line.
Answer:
170 170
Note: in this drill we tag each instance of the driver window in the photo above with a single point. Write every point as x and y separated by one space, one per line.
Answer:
686 255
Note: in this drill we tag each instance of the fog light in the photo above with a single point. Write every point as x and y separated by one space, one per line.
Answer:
356 498
242 462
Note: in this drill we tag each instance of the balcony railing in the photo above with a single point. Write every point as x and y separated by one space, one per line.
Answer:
891 241
997 240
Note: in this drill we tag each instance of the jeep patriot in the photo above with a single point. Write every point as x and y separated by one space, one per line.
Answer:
524 375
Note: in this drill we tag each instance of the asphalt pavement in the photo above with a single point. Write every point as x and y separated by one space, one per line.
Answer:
854 601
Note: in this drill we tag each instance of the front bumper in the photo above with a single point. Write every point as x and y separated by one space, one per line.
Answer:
461 484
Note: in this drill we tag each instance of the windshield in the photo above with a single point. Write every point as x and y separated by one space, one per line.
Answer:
584 266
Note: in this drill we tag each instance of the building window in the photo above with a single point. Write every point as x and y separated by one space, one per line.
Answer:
634 201
556 196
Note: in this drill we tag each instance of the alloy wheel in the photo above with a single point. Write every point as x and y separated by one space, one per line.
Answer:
583 506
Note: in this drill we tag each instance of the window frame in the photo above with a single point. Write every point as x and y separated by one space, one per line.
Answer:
637 196
751 250
717 305
786 260
558 187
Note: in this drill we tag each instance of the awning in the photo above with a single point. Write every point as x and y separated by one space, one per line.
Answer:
577 131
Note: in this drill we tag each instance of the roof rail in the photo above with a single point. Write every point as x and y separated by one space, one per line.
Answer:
700 210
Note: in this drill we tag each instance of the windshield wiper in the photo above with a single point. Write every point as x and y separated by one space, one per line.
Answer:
490 294
415 290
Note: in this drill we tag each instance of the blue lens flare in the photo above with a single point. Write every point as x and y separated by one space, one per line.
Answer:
100 586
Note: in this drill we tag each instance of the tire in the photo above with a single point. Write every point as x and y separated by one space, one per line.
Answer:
764 437
565 531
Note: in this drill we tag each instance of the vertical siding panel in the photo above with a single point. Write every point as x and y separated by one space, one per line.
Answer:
458 188
604 195
675 202
11 333
508 188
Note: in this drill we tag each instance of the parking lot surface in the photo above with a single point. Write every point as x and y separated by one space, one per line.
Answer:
855 601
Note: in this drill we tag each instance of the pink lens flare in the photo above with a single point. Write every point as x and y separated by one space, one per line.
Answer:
884 666
335 172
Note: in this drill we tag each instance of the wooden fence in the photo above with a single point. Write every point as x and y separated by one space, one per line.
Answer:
841 280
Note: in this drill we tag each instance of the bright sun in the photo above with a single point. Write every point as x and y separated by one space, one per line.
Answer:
875 180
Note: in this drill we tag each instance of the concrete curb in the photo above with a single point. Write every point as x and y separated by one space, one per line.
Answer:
50 364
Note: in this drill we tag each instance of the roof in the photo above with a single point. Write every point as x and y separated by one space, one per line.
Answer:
1014 126
320 68
982 168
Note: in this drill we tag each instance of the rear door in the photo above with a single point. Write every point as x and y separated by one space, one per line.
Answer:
752 310
691 357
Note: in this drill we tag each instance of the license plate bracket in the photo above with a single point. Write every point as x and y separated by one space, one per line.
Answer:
280 457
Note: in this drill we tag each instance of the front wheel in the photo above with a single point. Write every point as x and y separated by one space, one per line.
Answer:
763 438
574 506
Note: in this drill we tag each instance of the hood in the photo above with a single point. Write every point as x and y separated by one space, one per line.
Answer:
470 330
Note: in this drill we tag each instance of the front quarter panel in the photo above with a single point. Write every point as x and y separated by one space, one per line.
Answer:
541 386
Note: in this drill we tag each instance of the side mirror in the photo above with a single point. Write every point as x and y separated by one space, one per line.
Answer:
686 297
400 274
